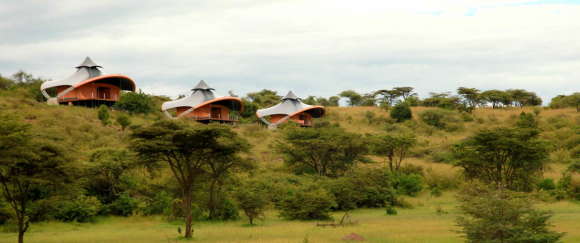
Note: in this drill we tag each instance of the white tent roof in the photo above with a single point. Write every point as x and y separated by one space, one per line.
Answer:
86 70
290 105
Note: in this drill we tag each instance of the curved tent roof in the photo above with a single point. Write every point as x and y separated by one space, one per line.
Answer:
290 106
202 95
87 72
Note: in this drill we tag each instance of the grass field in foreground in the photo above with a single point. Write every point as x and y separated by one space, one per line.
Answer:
420 224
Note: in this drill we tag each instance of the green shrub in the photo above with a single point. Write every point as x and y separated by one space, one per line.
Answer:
527 120
390 210
159 204
135 102
410 184
252 199
81 209
125 205
401 112
227 210
306 204
103 114
442 119
547 184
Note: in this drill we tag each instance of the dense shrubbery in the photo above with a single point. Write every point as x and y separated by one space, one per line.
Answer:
442 119
307 202
401 112
135 103
81 209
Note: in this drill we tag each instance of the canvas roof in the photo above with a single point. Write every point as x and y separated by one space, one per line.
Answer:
290 104
87 70
201 94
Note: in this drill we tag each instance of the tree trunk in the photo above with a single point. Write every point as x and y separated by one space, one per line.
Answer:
22 227
187 200
211 204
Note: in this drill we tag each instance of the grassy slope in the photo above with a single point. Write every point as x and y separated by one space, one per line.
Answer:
82 133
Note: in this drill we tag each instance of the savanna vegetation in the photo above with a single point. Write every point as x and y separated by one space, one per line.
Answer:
478 166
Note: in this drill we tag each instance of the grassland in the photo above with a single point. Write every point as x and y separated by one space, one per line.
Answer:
421 224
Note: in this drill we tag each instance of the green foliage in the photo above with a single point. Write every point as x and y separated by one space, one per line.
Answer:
252 199
547 184
325 151
80 209
354 98
562 101
264 98
442 119
408 184
27 164
527 120
135 103
124 121
107 174
510 157
124 205
307 203
104 116
390 210
160 203
443 100
190 152
502 216
394 148
401 112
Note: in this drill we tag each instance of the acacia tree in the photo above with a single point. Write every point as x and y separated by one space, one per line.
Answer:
394 148
354 98
326 151
404 92
506 157
188 151
471 96
26 164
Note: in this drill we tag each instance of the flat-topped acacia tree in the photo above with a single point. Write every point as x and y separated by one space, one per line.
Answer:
190 151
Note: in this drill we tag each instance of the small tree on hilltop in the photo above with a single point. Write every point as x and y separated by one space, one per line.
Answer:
135 102
26 164
498 215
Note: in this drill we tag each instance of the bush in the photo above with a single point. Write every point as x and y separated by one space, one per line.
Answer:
410 184
527 120
125 205
442 119
492 215
159 204
390 210
135 102
253 200
401 112
81 209
306 204
227 210
547 184
103 114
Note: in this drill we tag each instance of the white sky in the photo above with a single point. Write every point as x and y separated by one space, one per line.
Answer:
309 46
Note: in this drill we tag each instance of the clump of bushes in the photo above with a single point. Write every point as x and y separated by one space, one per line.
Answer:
80 209
307 203
401 112
442 119
135 103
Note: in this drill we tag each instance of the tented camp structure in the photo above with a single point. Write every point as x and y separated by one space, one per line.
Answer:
87 87
291 108
203 106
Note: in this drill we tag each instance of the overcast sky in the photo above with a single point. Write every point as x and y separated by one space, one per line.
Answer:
309 46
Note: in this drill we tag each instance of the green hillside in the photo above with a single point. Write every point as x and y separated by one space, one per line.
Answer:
142 206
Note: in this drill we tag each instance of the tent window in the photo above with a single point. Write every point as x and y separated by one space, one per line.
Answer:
103 93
